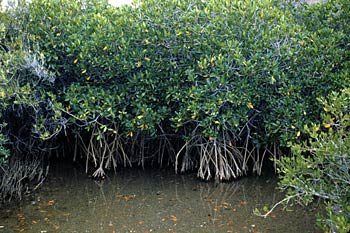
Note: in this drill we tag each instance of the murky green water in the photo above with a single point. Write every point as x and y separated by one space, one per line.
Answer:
137 200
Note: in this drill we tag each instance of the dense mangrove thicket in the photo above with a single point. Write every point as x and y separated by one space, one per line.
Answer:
216 86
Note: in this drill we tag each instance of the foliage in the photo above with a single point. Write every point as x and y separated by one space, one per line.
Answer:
232 81
21 106
4 153
320 166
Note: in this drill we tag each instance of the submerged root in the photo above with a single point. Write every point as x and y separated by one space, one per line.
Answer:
99 173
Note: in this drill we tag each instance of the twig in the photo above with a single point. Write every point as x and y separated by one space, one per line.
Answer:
284 200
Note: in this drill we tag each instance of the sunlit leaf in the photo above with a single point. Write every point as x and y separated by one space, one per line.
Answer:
250 105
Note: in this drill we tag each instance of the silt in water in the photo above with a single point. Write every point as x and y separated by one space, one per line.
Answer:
135 200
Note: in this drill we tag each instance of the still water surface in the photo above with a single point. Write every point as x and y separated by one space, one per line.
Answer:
136 200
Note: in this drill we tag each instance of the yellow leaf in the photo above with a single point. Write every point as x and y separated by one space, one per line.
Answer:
139 116
75 61
327 125
298 134
2 94
88 78
83 72
147 58
105 48
273 80
250 105
212 61
293 127
139 64
325 109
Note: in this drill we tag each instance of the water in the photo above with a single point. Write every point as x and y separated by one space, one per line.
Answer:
136 200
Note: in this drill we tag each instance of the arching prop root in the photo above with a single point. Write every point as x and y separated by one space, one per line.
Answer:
220 157
105 150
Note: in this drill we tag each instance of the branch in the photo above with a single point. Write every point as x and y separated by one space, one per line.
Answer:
285 200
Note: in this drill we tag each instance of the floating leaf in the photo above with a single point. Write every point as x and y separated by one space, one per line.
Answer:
173 218
51 202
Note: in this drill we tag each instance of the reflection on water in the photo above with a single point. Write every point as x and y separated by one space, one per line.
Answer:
136 200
